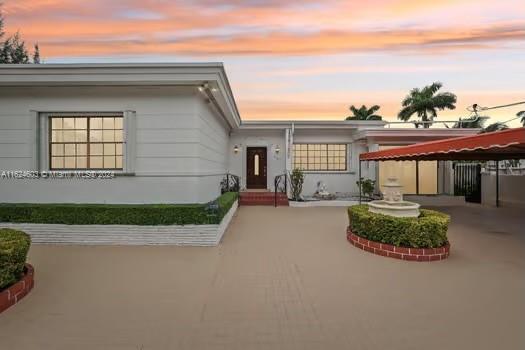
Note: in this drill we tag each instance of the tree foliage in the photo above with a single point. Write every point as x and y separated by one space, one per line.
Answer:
475 122
364 113
13 49
497 126
425 103
522 115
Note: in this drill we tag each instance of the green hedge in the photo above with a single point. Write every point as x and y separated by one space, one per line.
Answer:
429 230
14 246
111 214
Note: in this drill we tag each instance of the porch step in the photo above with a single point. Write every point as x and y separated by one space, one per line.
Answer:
263 198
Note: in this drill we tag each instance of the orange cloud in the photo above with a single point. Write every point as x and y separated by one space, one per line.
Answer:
275 43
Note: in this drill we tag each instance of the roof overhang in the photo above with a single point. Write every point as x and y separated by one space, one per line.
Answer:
499 145
400 136
212 76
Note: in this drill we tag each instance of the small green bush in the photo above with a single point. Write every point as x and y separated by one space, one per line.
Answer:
429 230
296 183
116 214
14 246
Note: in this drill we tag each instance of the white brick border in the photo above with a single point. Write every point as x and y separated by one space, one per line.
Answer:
188 235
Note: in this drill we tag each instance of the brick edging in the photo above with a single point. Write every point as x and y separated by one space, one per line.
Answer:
17 291
391 251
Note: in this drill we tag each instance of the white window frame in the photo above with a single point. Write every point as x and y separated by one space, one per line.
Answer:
128 142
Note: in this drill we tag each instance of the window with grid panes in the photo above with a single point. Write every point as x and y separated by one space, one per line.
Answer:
86 142
320 157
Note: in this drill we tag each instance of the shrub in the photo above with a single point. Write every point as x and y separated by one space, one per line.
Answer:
14 246
296 183
116 214
429 230
367 186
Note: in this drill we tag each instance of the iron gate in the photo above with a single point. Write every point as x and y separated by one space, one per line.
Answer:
467 181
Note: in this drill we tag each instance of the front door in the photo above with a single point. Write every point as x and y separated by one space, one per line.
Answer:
256 167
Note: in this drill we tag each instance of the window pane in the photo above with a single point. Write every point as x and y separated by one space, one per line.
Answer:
68 123
69 135
81 135
96 149
57 136
109 162
57 150
108 136
95 162
95 123
80 123
108 123
56 123
320 157
118 162
81 149
57 162
109 149
86 142
81 162
118 123
119 135
69 149
95 136
69 162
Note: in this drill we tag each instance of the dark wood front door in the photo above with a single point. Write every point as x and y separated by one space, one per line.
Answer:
256 167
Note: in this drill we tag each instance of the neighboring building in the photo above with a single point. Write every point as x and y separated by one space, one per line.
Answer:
171 132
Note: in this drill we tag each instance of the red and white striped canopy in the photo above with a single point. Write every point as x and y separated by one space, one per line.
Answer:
498 145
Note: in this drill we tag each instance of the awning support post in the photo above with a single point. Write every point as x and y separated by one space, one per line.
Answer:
359 179
417 177
497 183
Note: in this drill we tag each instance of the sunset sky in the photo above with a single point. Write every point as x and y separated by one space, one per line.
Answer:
301 60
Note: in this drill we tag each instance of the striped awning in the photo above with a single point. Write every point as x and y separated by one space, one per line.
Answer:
498 145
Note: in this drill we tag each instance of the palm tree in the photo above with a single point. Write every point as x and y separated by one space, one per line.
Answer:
364 113
425 102
474 122
522 115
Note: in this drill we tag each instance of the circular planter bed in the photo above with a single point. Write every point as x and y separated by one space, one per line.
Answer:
16 277
414 239
14 293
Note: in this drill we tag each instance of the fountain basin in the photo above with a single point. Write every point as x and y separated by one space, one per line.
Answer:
397 209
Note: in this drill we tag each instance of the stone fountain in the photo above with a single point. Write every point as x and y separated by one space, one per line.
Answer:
392 203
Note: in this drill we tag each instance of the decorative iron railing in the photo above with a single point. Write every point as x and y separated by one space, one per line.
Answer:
230 183
280 185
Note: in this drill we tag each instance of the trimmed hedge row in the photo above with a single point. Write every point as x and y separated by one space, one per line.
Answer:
111 214
429 230
14 246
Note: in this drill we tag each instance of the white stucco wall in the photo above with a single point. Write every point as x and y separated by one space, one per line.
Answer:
179 144
276 162
336 181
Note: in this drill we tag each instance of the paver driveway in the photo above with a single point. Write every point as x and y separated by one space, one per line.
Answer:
283 278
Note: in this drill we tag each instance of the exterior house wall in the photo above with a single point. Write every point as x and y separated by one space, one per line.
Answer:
276 162
335 181
213 145
166 144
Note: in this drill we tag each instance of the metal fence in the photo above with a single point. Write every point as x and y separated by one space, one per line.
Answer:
467 181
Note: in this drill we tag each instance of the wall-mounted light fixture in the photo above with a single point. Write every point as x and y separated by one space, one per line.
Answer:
277 149
235 149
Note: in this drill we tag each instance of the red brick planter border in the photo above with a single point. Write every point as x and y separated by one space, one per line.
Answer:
410 254
17 291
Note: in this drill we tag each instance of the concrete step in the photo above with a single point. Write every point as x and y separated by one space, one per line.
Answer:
263 198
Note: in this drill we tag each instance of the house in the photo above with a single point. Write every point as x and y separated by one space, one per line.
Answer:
170 132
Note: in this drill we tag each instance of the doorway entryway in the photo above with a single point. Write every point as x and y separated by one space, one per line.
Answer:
256 167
